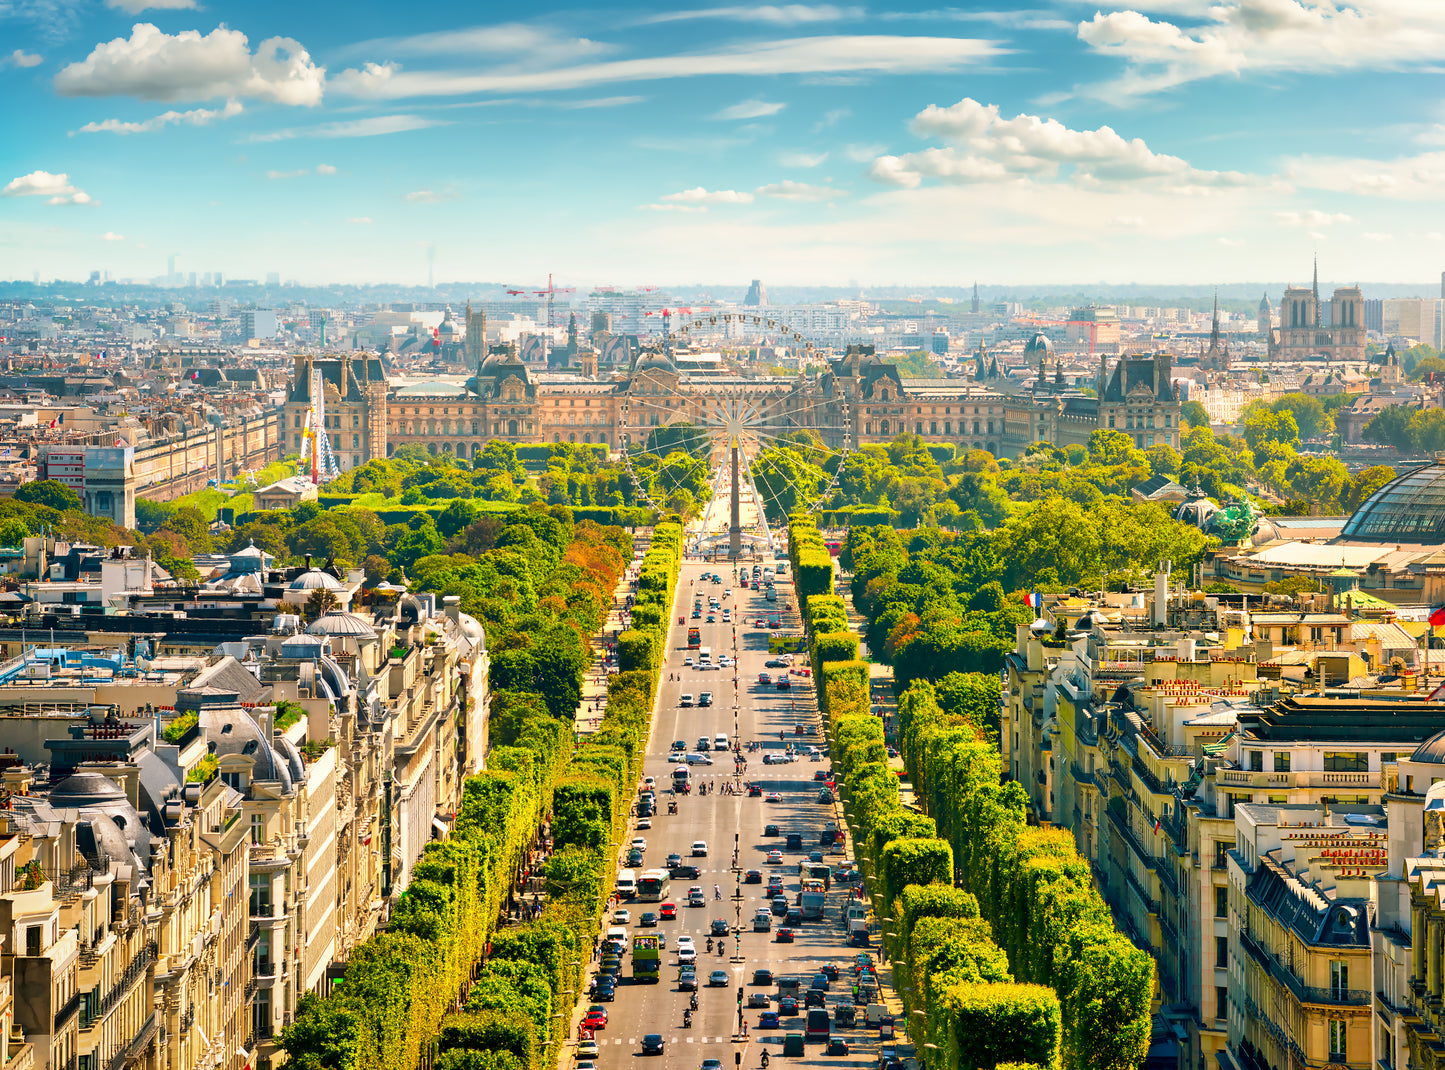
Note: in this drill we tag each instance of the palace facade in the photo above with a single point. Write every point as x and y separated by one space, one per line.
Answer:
860 397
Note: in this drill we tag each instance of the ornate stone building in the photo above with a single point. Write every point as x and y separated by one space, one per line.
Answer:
355 406
1302 334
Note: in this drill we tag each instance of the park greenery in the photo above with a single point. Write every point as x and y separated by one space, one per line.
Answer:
1019 964
446 948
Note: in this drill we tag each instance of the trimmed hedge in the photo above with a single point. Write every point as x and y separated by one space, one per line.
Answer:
993 1024
636 649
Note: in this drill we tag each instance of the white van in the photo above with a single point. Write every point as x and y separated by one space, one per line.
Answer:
626 884
616 938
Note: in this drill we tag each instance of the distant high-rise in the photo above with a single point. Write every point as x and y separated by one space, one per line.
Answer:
1266 317
1442 285
171 268
975 296
757 294
273 278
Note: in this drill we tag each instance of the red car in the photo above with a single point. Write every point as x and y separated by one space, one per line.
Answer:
596 1018
668 911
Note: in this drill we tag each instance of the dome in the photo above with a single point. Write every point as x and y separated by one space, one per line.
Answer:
1039 346
1432 751
1408 509
1196 509
316 580
655 360
448 326
339 622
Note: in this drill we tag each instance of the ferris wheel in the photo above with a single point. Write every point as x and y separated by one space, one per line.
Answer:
682 437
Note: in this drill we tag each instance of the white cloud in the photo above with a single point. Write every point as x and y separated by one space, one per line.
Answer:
1242 36
111 235
788 190
983 147
599 102
1419 177
511 41
864 153
431 196
21 58
194 117
673 207
360 220
57 188
750 109
321 169
831 118
135 7
804 55
802 159
1313 218
699 195
771 14
153 65
372 127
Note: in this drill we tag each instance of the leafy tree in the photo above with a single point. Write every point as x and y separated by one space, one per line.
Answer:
1113 447
1195 414
1261 424
48 492
1391 427
918 365
1309 414
320 602
1163 460
13 532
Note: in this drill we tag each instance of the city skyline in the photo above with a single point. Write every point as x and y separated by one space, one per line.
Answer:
1173 140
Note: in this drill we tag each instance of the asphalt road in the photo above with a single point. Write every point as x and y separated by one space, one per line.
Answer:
746 712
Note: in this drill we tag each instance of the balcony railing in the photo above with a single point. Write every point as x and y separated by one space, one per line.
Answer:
1340 997
67 1011
133 973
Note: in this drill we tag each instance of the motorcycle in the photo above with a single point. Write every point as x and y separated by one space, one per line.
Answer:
687 1019
693 1001
672 808
765 1061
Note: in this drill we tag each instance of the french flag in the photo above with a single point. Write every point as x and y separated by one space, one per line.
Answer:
1036 601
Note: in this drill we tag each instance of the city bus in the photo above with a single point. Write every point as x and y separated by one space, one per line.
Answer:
652 886
646 959
811 898
694 638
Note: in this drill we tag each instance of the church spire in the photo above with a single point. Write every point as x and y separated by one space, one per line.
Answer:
1214 331
1316 289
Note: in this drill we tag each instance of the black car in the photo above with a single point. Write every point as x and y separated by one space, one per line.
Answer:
830 971
685 871
719 927
687 981
763 977
652 1044
793 918
770 830
674 860
605 993
634 858
785 936
825 796
815 998
820 774
753 876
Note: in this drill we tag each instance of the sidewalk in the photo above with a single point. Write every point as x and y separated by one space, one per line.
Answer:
594 684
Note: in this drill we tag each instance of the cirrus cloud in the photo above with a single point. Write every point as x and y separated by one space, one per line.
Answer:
750 109
135 7
194 117
153 65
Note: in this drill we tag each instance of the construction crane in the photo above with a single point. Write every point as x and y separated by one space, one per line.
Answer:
550 294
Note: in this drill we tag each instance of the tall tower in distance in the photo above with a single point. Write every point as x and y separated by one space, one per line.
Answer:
1265 317
757 294
476 337
975 295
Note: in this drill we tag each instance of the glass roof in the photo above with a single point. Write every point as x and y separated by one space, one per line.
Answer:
1409 508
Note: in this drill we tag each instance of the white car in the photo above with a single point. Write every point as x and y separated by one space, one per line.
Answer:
719 742
686 954
639 842
687 661
622 917
644 823
685 941
699 759
725 661
699 848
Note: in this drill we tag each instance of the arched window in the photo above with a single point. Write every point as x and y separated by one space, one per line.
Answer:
602 438
512 428
992 448
572 436
883 427
587 437
477 448
432 448
476 427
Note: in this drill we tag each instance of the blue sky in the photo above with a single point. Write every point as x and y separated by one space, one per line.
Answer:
1169 141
